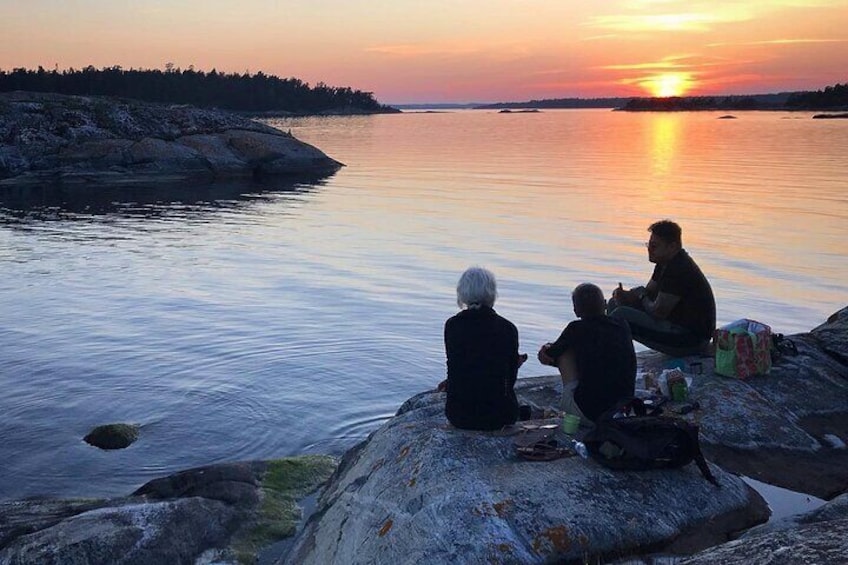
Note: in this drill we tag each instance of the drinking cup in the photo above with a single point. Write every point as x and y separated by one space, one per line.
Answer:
679 392
570 423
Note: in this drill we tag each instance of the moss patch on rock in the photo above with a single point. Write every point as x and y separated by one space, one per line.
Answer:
112 436
284 483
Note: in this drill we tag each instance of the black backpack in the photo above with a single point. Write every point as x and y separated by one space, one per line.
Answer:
628 438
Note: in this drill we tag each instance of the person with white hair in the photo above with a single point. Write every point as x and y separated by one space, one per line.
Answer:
482 357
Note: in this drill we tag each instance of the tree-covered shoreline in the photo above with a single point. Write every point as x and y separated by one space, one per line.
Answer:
229 91
831 98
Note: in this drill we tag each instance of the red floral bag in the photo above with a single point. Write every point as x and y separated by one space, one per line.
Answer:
743 349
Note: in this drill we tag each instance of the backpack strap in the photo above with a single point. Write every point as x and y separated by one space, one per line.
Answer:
698 457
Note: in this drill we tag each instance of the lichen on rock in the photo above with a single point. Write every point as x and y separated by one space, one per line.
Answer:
282 485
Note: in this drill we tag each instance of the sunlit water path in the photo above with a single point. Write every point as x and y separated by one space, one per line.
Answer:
259 322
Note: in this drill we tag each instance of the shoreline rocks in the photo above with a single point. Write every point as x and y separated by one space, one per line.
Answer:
225 512
819 536
53 138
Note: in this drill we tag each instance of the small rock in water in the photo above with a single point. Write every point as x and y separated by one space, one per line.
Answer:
112 436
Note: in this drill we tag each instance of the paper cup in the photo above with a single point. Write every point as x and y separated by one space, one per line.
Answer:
570 423
679 392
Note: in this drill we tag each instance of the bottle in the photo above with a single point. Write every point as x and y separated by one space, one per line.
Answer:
580 448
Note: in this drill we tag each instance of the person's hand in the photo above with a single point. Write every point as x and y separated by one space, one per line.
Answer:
634 298
522 357
619 293
443 386
626 297
543 356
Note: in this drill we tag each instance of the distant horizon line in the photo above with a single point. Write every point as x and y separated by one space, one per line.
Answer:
456 104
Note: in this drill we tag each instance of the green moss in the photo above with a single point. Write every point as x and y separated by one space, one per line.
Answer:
285 482
298 475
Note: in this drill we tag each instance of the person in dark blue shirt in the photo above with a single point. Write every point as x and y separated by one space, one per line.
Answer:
482 358
595 357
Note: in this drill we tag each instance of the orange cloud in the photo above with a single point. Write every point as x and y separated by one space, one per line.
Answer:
778 42
692 22
671 62
601 37
471 50
421 50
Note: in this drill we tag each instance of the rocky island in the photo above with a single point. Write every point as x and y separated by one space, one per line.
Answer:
418 490
72 140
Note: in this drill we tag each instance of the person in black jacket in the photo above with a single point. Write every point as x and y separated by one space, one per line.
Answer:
595 357
482 357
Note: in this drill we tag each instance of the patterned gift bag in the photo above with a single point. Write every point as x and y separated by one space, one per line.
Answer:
742 349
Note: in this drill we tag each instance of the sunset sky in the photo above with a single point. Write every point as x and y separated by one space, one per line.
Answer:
452 50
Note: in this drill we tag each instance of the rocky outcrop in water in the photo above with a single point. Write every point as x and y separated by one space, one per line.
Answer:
112 436
88 139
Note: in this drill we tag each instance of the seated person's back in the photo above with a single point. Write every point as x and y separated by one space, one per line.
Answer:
604 359
595 357
482 358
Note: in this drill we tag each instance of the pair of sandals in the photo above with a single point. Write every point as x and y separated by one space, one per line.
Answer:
539 444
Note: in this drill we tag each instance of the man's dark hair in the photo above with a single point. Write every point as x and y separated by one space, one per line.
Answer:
667 231
588 300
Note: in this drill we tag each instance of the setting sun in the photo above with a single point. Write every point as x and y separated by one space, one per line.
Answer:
668 84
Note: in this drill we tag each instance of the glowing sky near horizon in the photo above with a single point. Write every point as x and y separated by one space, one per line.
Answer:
452 50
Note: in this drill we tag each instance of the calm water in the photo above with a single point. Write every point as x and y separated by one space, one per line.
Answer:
257 322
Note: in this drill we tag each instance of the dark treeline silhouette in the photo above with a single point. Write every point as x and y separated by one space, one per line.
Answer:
832 97
231 91
694 103
552 103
